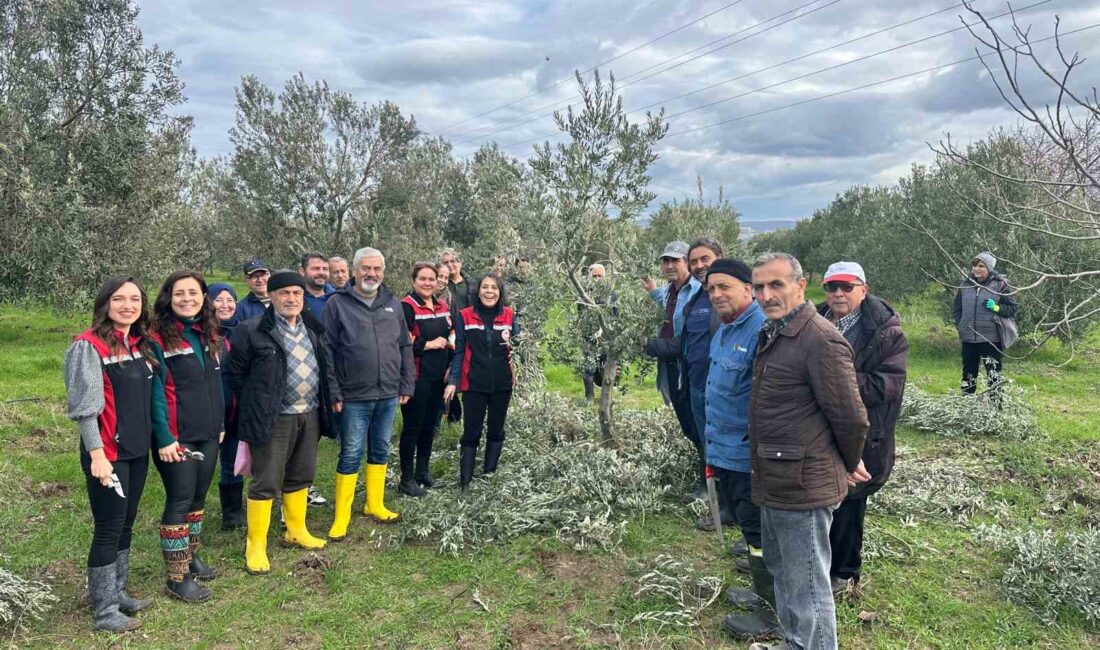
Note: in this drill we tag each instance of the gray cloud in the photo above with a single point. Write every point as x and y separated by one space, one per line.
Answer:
447 62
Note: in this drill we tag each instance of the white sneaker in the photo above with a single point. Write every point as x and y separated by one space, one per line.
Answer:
315 499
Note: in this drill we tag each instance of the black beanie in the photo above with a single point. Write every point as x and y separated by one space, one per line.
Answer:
285 278
726 265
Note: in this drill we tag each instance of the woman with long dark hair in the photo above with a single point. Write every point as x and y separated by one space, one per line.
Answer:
187 337
482 371
112 377
429 323
230 486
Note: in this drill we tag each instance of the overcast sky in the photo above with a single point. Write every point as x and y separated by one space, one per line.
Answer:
447 61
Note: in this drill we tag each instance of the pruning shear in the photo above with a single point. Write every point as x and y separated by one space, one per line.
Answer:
117 485
190 454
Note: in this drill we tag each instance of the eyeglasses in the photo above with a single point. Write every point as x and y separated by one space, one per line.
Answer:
259 275
846 287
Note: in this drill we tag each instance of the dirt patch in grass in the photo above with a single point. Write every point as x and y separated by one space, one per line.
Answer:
48 489
472 639
582 571
528 633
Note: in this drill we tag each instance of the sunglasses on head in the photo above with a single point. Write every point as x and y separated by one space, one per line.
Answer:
846 287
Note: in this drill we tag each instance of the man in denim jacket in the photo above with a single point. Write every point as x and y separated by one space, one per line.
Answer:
729 385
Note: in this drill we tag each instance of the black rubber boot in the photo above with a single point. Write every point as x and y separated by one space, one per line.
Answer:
409 487
761 621
200 569
126 604
188 590
232 505
423 472
740 548
103 594
181 582
466 460
492 456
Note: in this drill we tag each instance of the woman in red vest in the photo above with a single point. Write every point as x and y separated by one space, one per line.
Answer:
482 371
112 379
188 339
429 323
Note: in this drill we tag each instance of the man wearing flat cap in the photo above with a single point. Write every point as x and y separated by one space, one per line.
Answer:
672 381
280 372
881 354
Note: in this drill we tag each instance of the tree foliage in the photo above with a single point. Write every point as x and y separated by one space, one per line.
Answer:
93 161
693 218
308 162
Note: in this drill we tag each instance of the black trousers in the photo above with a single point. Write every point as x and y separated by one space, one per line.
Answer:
983 353
681 405
113 516
735 496
419 422
846 538
187 482
288 462
477 405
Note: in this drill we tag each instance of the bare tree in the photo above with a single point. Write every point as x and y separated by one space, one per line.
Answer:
1045 190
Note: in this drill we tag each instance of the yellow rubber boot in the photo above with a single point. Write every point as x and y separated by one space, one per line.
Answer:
255 549
294 512
376 489
345 494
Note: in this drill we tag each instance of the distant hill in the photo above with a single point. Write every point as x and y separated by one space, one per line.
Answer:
752 228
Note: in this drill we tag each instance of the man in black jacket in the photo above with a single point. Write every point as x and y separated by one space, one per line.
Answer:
873 329
281 375
372 352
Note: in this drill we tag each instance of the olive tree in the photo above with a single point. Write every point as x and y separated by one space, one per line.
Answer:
592 187
308 162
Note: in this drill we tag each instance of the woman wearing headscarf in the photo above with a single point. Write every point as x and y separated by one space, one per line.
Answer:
482 371
112 378
230 486
984 298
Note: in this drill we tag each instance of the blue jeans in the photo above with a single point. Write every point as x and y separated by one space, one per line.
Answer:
365 426
798 554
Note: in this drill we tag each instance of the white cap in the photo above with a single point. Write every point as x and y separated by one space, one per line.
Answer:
845 272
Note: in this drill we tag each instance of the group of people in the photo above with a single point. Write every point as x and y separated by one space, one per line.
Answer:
324 351
792 408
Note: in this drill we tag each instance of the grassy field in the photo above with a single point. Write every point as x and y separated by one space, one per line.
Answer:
940 591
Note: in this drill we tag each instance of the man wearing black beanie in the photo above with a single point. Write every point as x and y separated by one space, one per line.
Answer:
281 374
729 386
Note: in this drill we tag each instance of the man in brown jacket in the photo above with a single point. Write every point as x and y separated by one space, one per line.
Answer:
807 425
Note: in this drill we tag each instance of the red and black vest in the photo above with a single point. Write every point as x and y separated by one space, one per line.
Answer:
193 390
126 423
487 362
426 324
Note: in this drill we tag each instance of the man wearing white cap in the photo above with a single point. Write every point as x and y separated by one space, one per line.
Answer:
881 353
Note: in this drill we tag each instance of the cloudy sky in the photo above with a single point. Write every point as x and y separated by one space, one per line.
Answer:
493 70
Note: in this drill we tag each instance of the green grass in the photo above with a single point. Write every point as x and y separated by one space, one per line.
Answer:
941 592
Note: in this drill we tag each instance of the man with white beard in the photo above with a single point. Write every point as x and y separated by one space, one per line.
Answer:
371 351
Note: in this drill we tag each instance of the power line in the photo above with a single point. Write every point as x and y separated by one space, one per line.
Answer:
862 87
615 58
850 62
799 58
802 76
523 122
